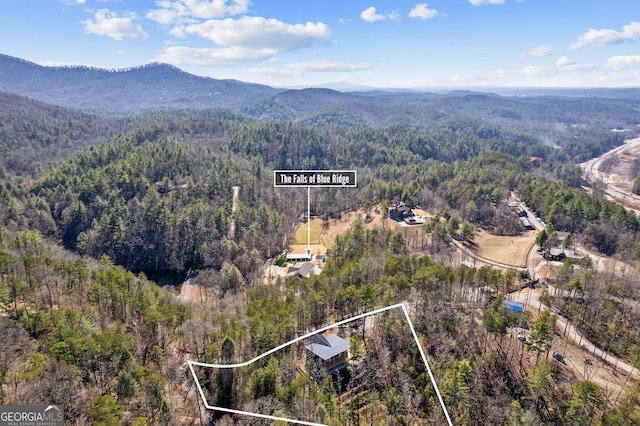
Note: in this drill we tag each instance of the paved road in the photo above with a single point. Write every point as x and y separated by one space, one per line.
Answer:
531 298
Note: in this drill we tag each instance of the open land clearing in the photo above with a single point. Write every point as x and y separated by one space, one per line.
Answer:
327 236
313 234
620 172
510 250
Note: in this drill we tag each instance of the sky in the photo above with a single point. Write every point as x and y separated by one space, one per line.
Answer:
373 43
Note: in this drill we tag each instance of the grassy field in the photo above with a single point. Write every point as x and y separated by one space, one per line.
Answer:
508 250
316 230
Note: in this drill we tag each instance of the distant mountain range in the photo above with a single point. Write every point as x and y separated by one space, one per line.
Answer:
165 87
153 86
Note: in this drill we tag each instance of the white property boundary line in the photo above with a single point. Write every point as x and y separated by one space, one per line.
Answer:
306 336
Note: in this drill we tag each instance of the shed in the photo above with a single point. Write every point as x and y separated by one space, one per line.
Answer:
525 222
513 306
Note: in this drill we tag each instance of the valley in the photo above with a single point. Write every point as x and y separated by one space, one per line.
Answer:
465 201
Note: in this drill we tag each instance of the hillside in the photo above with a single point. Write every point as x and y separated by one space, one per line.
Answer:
551 115
34 134
101 218
153 86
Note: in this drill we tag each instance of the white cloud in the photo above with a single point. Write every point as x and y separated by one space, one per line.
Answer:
172 12
370 15
606 37
565 61
481 2
261 33
226 56
303 68
532 71
112 25
540 51
244 40
422 11
563 65
620 62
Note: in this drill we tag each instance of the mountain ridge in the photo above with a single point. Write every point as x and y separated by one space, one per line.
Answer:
151 86
158 86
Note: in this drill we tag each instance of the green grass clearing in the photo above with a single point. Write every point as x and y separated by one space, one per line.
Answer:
316 230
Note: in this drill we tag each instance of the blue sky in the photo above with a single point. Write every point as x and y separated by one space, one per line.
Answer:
390 43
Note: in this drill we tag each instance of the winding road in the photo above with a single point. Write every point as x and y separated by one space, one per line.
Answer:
531 298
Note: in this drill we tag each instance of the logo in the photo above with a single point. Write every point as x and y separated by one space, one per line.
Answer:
31 415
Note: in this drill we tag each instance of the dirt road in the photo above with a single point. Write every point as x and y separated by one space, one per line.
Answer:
531 299
592 173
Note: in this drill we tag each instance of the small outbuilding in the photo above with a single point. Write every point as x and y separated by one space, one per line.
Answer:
525 223
513 306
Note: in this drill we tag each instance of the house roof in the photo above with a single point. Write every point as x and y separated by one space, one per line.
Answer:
556 251
525 222
304 270
327 347
297 256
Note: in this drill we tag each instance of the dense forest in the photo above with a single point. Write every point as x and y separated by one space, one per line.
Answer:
103 217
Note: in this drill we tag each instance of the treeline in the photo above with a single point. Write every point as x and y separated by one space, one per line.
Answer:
286 145
153 202
444 128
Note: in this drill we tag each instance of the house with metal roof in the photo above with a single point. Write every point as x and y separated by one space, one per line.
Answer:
331 352
303 270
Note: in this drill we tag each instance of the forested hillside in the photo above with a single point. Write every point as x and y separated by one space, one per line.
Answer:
149 87
153 205
35 135
92 244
